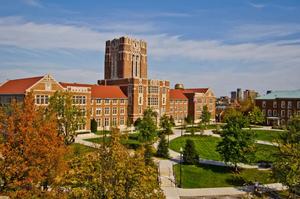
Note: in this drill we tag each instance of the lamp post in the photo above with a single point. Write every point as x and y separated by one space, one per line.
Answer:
180 182
181 129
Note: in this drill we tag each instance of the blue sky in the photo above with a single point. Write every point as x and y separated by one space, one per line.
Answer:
222 44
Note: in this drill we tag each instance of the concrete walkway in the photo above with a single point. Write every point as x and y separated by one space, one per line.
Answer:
167 178
80 139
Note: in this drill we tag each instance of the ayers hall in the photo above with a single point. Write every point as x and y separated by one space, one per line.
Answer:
124 93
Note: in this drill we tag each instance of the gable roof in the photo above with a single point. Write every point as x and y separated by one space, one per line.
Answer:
177 94
289 94
100 91
18 86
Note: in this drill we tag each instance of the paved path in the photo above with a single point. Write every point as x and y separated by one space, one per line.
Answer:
167 178
80 139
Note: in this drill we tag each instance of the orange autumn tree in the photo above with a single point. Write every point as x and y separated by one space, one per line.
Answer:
31 153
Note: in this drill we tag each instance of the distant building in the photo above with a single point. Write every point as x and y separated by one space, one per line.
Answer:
239 94
233 96
279 106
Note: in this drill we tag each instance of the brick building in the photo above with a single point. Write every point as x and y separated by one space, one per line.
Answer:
279 106
123 94
126 66
190 102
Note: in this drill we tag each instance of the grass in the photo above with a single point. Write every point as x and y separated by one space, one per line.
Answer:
131 143
207 176
206 147
76 149
102 132
266 135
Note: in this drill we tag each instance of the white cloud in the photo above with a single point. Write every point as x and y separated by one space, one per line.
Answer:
263 31
258 6
34 3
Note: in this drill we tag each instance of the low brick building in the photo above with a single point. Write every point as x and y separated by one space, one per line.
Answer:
279 106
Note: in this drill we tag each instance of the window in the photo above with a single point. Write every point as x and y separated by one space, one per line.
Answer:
264 104
289 104
114 110
275 113
140 100
98 101
122 121
106 121
282 113
264 112
210 100
122 101
274 104
107 101
140 110
164 90
41 99
98 120
106 111
269 113
122 111
114 121
282 104
115 101
298 113
290 113
298 105
153 89
140 89
98 111
152 101
91 112
163 101
81 127
77 99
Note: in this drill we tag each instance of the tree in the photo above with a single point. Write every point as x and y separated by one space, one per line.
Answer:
69 117
32 153
166 123
206 115
190 155
237 145
147 126
189 119
287 166
163 148
94 125
246 106
112 172
256 116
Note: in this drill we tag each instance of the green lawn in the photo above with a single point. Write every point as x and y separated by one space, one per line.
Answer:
132 142
76 149
206 147
102 132
207 176
266 135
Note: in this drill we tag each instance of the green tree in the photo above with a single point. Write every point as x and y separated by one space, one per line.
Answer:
167 123
69 116
94 125
205 116
287 166
163 148
256 116
190 155
147 126
189 119
112 172
237 145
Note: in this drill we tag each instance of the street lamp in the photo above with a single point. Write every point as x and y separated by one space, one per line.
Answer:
180 163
